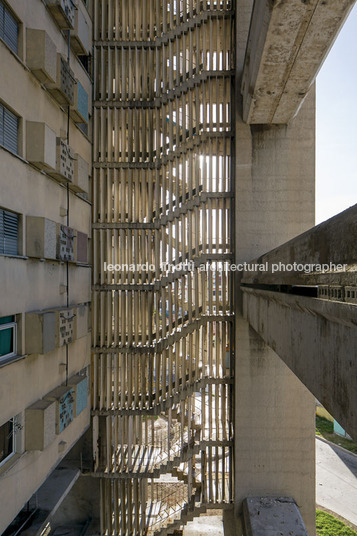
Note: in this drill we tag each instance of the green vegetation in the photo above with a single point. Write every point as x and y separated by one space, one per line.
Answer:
328 525
324 428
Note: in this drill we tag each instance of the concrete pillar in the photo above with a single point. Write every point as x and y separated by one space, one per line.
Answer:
274 413
274 428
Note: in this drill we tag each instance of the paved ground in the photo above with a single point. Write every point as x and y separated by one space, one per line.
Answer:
336 480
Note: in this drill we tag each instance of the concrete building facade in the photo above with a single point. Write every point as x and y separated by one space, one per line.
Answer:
154 132
45 228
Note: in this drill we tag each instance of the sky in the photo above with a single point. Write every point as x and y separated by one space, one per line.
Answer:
336 125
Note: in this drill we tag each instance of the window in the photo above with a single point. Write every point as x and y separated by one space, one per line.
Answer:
9 124
8 439
9 232
9 28
86 62
7 337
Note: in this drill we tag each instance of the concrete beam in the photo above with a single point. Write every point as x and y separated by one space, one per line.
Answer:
333 241
317 339
268 516
288 42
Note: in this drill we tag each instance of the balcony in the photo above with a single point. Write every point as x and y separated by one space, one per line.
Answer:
81 321
65 243
63 87
41 55
79 110
63 396
53 328
79 384
63 11
40 429
64 170
64 326
40 146
41 238
80 182
81 248
40 332
80 35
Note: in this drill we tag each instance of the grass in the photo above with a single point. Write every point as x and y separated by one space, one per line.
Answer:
324 428
328 525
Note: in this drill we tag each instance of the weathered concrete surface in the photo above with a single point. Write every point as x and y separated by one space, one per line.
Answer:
275 182
288 42
272 516
274 201
317 339
274 427
336 480
333 241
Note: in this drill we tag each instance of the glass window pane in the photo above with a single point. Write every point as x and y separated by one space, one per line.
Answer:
7 319
6 341
6 440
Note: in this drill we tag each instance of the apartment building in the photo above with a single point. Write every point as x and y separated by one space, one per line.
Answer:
45 214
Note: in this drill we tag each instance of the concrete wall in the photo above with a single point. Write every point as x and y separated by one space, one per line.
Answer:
274 434
30 284
317 339
274 413
31 469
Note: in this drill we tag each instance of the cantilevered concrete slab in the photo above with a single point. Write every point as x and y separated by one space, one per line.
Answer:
317 339
329 244
310 318
288 42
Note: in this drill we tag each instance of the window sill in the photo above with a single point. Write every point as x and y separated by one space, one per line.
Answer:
16 56
12 359
42 172
21 257
8 464
16 155
83 265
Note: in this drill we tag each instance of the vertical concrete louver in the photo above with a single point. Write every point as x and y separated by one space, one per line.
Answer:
163 193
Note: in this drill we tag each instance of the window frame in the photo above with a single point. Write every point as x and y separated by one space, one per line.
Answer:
13 326
3 237
6 39
13 432
10 114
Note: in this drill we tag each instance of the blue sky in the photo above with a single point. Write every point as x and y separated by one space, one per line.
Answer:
336 123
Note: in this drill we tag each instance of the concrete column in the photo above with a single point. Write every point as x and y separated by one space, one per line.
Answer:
274 413
274 428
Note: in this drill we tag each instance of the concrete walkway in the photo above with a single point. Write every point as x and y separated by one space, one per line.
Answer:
336 480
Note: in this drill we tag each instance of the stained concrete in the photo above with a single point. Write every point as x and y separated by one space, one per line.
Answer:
317 339
275 201
274 428
285 51
272 516
333 241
